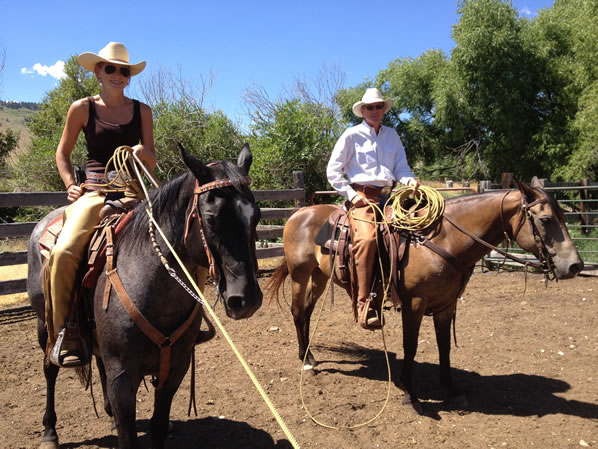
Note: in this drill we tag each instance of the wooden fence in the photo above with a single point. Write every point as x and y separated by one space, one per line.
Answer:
264 232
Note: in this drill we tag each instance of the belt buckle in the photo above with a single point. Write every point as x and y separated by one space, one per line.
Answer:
385 191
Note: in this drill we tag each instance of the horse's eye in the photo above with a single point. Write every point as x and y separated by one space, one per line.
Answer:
545 220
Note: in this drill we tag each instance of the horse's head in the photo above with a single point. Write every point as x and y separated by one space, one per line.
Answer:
543 232
228 218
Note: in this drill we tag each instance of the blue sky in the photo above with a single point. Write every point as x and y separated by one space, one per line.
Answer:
239 43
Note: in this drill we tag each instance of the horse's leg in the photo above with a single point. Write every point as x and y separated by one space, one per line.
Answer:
122 391
107 407
411 323
442 327
305 295
50 437
159 426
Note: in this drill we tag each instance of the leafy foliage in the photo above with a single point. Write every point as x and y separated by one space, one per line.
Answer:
294 135
37 169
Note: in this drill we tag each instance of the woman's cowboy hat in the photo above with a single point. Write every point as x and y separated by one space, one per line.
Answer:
371 96
114 52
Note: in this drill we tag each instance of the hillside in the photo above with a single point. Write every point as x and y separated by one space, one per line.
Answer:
15 117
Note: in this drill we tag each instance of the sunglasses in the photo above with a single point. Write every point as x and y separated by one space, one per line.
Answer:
377 107
124 71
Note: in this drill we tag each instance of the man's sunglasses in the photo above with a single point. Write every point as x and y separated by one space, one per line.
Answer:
377 107
124 71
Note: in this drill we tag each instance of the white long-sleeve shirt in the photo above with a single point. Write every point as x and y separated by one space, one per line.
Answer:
367 158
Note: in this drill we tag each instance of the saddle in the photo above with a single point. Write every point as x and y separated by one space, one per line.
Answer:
334 237
115 213
79 325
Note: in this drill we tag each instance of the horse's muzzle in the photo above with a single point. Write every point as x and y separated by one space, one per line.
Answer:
243 306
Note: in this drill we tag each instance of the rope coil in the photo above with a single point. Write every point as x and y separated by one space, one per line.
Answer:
415 209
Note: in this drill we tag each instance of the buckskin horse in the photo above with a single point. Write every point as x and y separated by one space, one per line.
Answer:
430 281
210 217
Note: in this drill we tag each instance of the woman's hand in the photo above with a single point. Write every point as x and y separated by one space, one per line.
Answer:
74 192
145 155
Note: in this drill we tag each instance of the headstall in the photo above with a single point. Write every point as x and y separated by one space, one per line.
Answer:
195 213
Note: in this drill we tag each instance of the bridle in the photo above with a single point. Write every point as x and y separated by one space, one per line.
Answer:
194 213
545 263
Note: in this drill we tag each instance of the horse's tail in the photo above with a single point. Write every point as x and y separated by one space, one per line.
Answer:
276 281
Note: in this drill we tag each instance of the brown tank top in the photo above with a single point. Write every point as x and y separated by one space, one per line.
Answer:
103 138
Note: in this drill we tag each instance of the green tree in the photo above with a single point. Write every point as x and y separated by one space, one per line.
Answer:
293 135
179 117
37 169
9 140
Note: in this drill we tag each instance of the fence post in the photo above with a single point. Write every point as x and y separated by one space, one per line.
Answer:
583 218
483 186
506 180
299 183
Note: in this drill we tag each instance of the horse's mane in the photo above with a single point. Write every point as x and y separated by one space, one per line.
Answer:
171 199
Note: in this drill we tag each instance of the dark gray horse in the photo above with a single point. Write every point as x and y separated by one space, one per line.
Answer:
228 216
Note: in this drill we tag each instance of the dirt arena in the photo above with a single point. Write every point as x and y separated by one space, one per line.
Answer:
528 363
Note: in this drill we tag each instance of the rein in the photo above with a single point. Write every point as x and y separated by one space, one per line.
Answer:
545 260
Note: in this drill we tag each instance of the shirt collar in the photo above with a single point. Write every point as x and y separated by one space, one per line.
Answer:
370 129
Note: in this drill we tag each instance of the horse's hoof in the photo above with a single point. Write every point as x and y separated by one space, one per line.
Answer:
170 426
53 444
309 369
113 428
414 407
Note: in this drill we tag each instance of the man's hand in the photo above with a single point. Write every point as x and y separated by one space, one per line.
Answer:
359 201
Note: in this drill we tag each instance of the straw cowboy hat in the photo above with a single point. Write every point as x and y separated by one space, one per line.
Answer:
371 96
115 53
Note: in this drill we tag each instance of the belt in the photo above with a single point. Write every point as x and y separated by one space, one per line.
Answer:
371 191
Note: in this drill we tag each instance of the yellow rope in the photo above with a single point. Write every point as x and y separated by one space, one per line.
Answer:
415 210
120 162
386 286
411 211
255 381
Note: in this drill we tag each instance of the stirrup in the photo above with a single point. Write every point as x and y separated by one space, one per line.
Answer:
368 317
59 354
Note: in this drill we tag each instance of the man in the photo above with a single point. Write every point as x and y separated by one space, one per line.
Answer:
373 158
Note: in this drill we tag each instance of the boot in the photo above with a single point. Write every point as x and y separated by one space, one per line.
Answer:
367 315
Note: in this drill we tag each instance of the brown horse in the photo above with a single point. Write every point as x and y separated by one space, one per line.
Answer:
430 283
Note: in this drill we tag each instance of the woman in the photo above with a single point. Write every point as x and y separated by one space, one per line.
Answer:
108 121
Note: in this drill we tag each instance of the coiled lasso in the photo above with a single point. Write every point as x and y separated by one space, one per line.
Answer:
415 209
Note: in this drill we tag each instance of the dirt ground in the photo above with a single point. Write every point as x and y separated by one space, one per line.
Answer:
527 362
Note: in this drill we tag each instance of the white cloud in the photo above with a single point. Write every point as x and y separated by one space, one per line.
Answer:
526 12
55 71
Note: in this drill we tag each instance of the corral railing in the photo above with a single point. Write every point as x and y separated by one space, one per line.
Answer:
265 232
579 202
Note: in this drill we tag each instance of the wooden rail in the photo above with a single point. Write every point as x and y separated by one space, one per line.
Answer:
57 199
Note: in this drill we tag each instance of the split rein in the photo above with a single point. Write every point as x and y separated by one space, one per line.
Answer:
545 260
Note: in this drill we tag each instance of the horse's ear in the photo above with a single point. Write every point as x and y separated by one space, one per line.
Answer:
536 183
528 193
245 158
199 170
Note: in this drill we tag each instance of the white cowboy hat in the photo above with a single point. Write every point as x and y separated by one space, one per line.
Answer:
371 96
114 52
